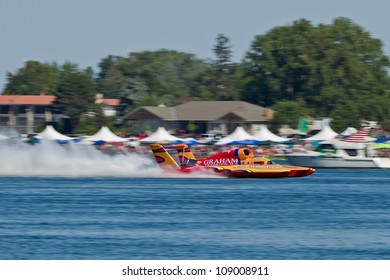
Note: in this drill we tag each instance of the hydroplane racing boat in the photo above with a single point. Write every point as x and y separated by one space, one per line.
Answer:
232 163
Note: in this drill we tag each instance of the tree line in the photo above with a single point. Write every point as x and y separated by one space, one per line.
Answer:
336 70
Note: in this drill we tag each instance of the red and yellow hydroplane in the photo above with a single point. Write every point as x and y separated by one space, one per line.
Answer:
232 163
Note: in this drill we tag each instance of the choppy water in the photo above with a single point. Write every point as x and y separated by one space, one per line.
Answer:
332 214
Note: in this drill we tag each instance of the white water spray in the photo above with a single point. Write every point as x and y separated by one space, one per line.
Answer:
48 158
73 160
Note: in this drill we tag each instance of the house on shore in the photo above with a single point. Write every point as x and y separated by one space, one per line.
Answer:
205 116
109 105
25 113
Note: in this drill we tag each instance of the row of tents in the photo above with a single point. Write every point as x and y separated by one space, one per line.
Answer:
103 135
238 137
161 135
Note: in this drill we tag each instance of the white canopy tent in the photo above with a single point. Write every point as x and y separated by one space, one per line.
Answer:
326 133
239 134
348 131
160 135
49 133
106 135
265 135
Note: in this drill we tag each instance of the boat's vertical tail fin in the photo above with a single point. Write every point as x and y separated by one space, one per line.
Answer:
184 153
163 158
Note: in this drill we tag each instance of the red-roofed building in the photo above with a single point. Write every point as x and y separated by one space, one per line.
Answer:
111 102
25 112
108 104
27 100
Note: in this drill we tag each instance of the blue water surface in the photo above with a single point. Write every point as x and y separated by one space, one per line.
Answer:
332 214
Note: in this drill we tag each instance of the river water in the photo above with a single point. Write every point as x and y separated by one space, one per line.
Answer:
332 214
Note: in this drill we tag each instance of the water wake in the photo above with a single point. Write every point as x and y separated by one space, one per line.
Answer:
49 159
73 160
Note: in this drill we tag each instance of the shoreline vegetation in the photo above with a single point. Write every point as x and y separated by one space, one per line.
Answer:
299 70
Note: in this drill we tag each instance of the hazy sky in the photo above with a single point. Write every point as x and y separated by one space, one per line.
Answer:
85 31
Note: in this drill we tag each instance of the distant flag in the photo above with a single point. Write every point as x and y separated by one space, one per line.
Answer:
303 125
358 137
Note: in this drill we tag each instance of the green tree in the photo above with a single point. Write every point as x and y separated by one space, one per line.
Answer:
109 81
92 121
32 79
75 93
386 125
277 66
134 93
345 115
223 70
287 113
146 77
326 66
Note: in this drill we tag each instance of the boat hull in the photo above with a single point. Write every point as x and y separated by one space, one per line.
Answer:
316 161
259 174
285 171
299 171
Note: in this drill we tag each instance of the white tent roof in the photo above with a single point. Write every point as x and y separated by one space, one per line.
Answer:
49 133
264 134
348 131
105 134
325 134
238 134
160 135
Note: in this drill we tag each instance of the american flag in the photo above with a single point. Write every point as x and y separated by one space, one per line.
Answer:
358 137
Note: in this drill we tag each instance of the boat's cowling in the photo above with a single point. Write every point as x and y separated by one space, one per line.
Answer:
244 153
240 154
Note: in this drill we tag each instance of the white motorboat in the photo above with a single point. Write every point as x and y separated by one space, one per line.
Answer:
340 154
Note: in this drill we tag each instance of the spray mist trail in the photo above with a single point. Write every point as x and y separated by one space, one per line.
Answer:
51 159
